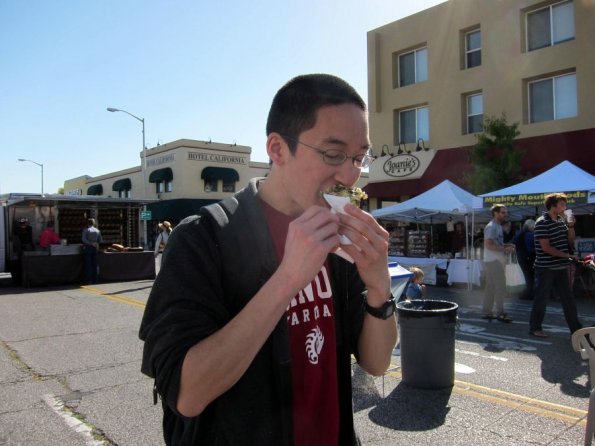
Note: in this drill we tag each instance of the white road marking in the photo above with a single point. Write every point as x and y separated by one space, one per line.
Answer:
479 355
464 369
71 421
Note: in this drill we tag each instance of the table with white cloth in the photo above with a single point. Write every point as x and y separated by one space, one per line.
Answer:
428 266
458 271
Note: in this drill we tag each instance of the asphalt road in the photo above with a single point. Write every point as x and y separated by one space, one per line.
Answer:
70 360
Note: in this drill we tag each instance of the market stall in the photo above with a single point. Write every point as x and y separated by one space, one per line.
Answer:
117 219
438 205
526 199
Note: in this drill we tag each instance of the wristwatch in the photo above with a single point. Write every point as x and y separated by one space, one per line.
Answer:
385 311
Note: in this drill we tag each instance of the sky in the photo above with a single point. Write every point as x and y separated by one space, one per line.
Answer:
193 69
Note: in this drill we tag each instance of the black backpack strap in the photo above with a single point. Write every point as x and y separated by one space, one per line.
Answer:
220 211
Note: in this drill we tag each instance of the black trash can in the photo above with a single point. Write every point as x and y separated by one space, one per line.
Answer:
427 334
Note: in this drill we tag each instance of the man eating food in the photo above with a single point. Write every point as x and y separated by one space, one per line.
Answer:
252 322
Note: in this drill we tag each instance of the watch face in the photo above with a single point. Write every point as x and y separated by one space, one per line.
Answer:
384 312
389 309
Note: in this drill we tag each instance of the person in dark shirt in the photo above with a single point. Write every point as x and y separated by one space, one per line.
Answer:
24 235
251 323
524 242
507 231
91 239
22 240
457 240
553 236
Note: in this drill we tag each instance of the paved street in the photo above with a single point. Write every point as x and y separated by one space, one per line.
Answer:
70 360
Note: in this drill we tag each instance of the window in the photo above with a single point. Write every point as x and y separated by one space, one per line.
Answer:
413 67
229 186
473 49
123 187
210 185
164 186
211 176
553 98
550 25
163 179
474 113
412 125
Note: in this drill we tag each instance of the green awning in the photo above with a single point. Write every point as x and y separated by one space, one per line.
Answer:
220 173
96 189
159 175
122 184
176 209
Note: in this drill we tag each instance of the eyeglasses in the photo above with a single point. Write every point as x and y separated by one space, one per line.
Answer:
335 157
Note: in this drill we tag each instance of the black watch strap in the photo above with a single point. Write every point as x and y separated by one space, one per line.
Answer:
385 311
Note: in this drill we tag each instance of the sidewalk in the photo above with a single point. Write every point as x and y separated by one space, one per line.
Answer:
510 388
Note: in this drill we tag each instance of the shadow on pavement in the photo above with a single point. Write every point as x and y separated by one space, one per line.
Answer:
410 409
129 290
564 368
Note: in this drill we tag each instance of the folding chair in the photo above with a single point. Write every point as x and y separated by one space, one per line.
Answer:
581 343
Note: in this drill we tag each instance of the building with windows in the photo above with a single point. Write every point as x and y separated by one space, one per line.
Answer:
435 75
182 175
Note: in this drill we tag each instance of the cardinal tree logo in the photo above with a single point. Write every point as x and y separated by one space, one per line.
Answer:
314 343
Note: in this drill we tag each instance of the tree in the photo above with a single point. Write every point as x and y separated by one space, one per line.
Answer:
496 159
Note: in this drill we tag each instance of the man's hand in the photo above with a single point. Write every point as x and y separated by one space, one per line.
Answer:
369 251
311 237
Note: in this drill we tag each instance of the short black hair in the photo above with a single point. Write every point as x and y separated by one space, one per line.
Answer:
295 105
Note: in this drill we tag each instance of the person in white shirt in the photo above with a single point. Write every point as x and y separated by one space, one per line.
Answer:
494 257
164 231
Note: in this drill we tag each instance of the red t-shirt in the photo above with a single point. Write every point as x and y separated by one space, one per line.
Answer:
310 318
48 237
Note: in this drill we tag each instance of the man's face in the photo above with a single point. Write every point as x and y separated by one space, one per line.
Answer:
305 173
501 215
560 207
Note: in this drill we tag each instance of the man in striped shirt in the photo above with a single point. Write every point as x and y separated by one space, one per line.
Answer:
553 237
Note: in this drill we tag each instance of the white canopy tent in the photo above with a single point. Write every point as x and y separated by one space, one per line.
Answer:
439 205
526 199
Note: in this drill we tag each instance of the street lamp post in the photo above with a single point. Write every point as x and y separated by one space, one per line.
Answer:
40 165
144 167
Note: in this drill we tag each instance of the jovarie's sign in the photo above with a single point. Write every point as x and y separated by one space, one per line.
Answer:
405 166
401 165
